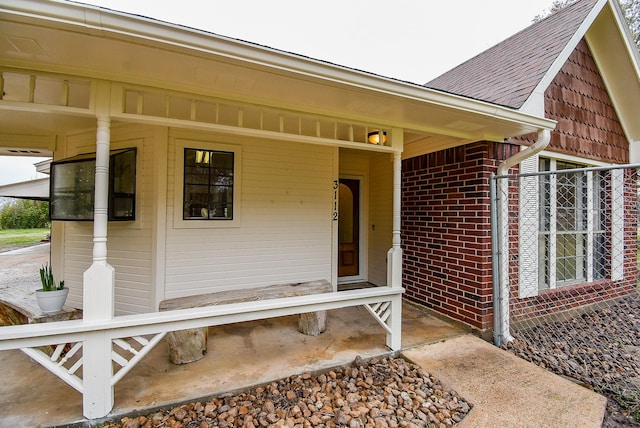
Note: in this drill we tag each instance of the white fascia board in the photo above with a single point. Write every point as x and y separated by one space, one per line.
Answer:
31 189
96 20
623 27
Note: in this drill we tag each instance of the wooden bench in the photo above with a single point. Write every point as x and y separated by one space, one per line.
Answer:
190 345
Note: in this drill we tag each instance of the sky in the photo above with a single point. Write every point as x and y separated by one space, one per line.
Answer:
412 40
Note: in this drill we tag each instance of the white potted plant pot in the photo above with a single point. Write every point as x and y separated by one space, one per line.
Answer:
51 301
52 295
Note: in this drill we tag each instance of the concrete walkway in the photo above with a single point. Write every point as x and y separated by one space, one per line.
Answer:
505 390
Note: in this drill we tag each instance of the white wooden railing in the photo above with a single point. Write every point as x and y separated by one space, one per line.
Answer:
135 335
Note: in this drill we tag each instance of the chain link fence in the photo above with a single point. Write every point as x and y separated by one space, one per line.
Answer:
566 254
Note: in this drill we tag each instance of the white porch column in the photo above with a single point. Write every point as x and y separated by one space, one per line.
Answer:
98 281
394 257
98 289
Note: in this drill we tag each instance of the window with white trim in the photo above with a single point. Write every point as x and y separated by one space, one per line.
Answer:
208 184
572 225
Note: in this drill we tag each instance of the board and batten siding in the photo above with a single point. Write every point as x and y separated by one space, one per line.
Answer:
128 243
285 228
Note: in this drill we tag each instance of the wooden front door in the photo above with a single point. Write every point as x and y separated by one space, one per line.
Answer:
349 227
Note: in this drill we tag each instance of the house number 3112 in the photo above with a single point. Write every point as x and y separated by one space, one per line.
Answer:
336 183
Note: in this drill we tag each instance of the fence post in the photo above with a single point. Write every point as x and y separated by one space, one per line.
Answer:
499 194
495 261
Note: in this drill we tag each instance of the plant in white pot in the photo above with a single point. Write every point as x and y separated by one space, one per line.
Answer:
52 295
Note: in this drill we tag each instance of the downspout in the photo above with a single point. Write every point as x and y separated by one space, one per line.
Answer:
500 238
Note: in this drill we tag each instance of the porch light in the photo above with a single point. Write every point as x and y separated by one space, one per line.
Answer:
202 156
375 136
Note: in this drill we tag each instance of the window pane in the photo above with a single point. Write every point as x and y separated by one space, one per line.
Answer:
208 185
72 190
122 192
566 257
196 201
573 215
543 265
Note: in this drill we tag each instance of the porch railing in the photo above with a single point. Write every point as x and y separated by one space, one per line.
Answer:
80 345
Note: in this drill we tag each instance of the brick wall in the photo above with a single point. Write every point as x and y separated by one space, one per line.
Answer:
446 208
446 230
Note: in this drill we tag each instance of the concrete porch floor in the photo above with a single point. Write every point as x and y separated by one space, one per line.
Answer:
505 390
239 355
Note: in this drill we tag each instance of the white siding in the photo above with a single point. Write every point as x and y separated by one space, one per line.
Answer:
128 244
381 215
285 229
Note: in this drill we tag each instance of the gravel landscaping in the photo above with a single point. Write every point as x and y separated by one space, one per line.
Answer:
389 392
599 349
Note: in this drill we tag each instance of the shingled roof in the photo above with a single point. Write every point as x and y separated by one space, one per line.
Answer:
507 73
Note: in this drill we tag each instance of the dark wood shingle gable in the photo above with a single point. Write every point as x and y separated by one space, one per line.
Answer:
507 73
588 125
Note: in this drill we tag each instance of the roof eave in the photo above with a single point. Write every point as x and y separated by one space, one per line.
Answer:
93 20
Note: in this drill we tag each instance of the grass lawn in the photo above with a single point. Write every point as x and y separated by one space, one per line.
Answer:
17 238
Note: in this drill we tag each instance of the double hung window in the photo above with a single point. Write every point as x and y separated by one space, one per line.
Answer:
572 225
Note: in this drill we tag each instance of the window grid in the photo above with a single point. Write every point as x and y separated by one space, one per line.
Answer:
208 184
571 240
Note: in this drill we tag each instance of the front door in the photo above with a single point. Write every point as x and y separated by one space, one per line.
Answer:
349 228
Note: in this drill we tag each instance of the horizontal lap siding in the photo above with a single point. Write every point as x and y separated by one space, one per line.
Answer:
128 245
285 232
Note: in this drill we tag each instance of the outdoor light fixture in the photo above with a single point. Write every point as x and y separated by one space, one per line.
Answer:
377 137
202 156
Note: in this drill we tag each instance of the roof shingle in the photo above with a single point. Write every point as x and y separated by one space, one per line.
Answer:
507 73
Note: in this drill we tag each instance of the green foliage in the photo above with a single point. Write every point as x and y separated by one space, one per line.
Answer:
630 8
24 214
555 6
46 277
17 238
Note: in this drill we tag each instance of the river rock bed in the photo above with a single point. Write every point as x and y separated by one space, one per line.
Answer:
599 349
387 392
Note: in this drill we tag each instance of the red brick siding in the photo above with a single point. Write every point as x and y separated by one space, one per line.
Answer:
446 230
446 211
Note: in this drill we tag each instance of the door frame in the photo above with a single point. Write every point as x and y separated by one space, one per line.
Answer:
362 239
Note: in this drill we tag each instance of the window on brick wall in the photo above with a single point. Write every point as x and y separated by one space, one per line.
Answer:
572 223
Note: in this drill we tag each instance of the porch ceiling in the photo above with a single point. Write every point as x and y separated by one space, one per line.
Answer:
75 40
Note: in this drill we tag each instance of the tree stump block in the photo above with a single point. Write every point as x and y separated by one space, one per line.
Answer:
187 346
312 323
